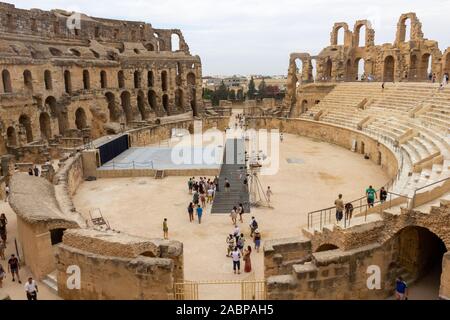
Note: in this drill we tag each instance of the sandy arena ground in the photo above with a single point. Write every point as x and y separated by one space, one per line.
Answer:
139 205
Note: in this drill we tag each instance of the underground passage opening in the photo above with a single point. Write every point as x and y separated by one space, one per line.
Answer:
419 261
56 235
326 247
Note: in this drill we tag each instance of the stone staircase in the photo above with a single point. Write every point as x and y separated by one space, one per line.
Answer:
51 282
233 168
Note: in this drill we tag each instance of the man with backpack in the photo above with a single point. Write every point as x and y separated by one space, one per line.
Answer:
253 226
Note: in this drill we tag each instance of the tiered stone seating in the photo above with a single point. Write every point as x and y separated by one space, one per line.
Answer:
439 115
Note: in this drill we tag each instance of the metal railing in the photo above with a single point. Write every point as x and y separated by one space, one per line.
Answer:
130 165
360 207
413 201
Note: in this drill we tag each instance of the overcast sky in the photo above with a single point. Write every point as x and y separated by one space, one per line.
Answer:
256 36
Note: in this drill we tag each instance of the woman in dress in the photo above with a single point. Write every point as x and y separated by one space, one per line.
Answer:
247 259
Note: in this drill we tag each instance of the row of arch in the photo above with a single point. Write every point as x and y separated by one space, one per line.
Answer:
137 79
420 68
45 126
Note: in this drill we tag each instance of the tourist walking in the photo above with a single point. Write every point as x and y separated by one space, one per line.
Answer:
401 289
3 231
199 214
190 185
253 226
281 137
371 195
383 195
30 171
240 211
203 198
227 185
268 195
195 197
210 194
36 171
230 244
236 256
2 275
6 193
2 250
245 185
257 239
216 183
348 211
241 242
233 215
165 229
14 267
247 259
31 289
190 210
339 203
236 232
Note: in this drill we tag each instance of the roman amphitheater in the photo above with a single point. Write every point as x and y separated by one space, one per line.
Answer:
100 106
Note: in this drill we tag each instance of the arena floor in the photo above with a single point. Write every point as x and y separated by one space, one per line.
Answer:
319 172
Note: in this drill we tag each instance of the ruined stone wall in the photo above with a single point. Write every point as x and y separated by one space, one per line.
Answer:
444 292
110 262
57 82
403 60
333 134
153 134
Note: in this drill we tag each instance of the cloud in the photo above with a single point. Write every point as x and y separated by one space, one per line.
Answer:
256 36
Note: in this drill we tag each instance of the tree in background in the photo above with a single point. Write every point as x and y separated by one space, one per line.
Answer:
272 91
231 95
240 95
251 89
262 89
207 94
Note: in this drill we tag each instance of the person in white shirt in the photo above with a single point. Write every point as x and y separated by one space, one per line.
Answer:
236 232
31 289
236 256
268 194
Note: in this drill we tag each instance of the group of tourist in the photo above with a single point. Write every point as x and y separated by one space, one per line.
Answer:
371 196
13 263
33 171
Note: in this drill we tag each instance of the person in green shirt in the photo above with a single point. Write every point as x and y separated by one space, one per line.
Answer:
371 196
165 229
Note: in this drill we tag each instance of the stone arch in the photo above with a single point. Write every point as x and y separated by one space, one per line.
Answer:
326 247
111 100
409 28
175 42
55 111
11 136
80 119
446 68
328 69
149 46
150 79
45 126
103 79
360 69
389 69
48 80
413 67
179 98
25 123
298 71
152 100
28 80
67 82
6 79
164 84
121 79
141 104
304 106
165 101
191 79
125 99
193 101
338 29
420 251
360 28
425 66
349 70
86 80
137 79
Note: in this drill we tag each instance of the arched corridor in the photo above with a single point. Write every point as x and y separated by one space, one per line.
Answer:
389 68
80 119
45 126
126 106
25 124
